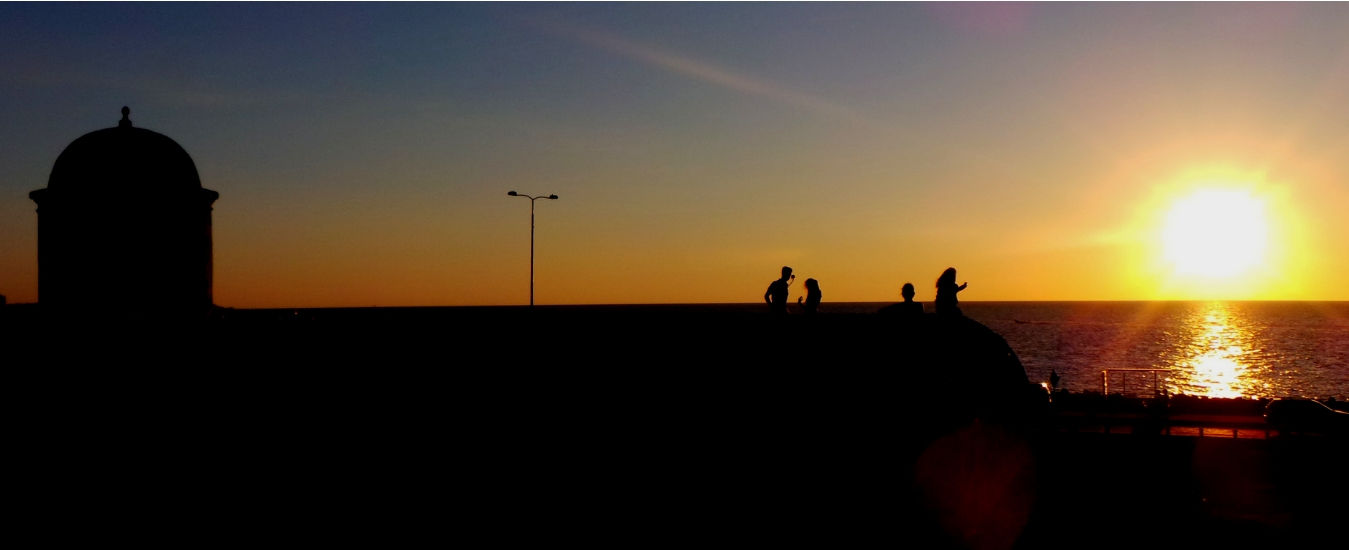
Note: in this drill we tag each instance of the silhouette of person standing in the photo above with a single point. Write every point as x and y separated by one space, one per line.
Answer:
776 296
812 299
947 304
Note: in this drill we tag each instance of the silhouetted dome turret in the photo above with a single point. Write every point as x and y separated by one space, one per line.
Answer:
124 229
123 159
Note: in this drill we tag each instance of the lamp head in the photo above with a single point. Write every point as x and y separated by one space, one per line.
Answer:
554 197
511 193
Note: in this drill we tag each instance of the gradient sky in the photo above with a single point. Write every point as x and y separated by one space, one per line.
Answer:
363 151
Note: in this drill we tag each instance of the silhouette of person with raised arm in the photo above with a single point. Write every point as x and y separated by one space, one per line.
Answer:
812 299
776 296
907 309
946 302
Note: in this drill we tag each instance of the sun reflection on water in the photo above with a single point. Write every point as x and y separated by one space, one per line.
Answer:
1252 349
1215 363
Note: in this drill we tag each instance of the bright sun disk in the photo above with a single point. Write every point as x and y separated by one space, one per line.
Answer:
1215 233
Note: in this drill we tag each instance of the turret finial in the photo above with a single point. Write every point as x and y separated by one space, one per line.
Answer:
126 118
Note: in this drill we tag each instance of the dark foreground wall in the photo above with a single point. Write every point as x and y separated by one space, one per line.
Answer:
608 428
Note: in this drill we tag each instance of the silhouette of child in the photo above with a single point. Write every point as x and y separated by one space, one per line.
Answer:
812 297
946 302
776 296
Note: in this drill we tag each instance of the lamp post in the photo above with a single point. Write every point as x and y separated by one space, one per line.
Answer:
531 237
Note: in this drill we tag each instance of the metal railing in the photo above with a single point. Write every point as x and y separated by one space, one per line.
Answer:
1153 414
1124 374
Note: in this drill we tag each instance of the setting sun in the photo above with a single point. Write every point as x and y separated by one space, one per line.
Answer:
1215 233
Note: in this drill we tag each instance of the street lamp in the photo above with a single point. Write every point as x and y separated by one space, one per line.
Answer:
531 238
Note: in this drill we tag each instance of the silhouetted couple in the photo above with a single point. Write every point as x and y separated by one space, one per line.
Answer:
776 296
946 302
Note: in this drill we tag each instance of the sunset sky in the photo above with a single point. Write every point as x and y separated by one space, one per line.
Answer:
1048 151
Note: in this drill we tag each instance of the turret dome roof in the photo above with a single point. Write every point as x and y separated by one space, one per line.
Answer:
123 158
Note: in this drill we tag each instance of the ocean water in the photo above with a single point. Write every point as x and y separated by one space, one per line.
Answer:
1215 349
